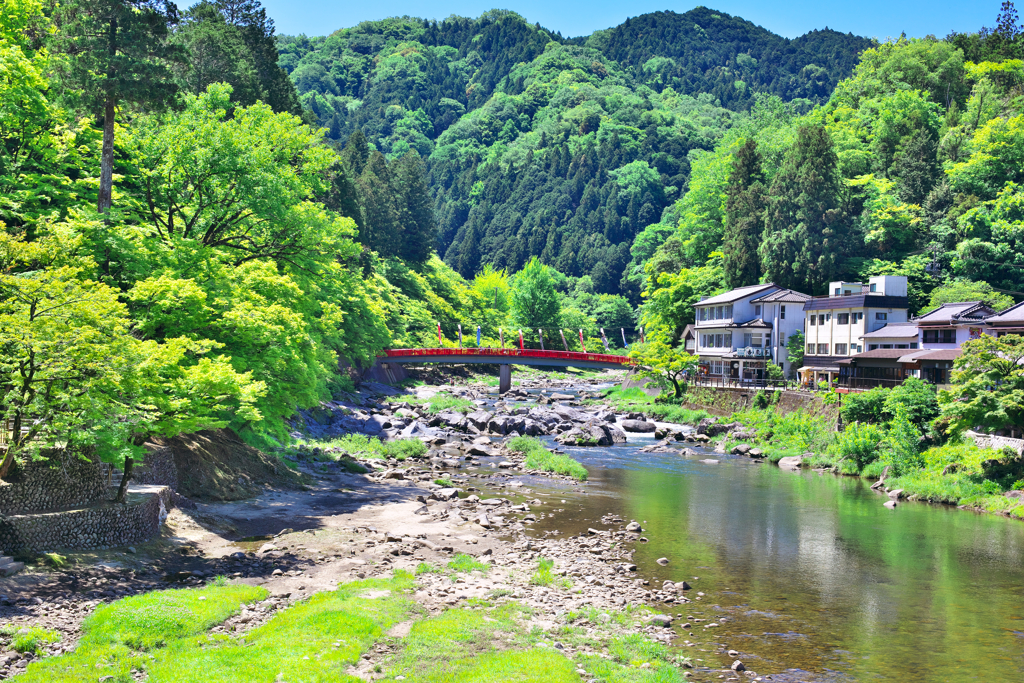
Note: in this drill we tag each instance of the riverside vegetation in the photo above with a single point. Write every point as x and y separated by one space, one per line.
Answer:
899 432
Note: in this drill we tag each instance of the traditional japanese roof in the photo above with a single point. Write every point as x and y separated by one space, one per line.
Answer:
1014 315
756 323
785 296
959 312
938 354
894 331
737 294
880 354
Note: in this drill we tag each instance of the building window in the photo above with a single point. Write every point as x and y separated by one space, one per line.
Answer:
860 315
810 349
719 339
940 336
828 316
728 311
822 349
881 316
874 287
813 319
902 346
757 310
840 349
859 348
716 367
872 347
913 345
703 314
821 319
842 319
782 312
837 291
728 339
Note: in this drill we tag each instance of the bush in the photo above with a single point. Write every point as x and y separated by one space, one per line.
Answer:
761 400
867 406
919 398
859 443
903 444
404 448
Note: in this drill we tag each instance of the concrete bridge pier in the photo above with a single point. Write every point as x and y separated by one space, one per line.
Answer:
504 378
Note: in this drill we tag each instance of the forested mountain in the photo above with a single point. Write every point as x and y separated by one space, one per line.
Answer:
541 146
704 51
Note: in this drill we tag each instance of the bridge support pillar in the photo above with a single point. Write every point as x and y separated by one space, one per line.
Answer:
504 378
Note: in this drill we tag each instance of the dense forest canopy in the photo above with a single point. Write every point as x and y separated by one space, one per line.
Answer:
541 146
214 230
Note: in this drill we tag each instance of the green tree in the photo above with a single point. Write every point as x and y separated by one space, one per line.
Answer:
666 364
795 350
670 299
744 218
988 385
416 210
115 52
73 375
805 231
382 229
965 290
919 398
534 301
242 184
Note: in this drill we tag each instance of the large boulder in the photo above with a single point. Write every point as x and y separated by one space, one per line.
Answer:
710 427
638 426
479 419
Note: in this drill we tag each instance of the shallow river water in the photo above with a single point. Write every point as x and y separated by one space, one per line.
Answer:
811 574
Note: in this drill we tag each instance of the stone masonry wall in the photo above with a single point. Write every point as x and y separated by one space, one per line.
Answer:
63 480
102 526
157 468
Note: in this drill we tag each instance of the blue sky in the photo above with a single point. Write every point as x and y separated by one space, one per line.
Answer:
872 18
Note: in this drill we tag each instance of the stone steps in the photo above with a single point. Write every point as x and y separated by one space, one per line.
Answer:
8 567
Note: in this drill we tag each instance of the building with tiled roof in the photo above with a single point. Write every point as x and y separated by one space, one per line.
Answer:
738 333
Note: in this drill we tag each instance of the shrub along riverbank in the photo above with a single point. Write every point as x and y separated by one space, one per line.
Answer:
900 429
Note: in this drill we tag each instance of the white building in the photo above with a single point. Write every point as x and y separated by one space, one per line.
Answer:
739 332
950 325
837 323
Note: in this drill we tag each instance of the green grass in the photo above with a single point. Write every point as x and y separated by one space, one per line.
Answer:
544 576
426 568
360 445
124 635
316 640
635 400
540 458
466 563
440 402
32 641
446 483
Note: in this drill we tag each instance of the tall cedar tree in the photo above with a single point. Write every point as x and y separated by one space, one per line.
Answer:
116 52
806 225
416 211
746 201
382 228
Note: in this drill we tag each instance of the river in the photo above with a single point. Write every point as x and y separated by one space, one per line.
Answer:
809 575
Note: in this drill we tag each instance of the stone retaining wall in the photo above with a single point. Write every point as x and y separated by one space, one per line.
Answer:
63 480
157 468
106 525
998 442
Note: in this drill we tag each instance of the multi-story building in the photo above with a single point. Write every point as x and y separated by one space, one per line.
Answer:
950 325
892 336
836 323
739 332
1008 321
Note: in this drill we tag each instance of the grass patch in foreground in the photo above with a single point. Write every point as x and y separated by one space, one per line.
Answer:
315 640
125 635
540 458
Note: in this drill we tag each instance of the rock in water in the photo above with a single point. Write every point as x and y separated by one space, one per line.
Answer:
662 561
638 426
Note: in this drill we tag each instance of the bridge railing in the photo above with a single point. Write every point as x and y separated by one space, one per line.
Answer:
511 353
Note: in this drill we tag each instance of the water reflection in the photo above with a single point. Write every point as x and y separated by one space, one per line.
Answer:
811 572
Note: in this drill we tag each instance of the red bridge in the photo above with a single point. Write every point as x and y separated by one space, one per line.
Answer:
506 358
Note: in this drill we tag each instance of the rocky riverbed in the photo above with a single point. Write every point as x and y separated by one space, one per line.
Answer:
347 526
